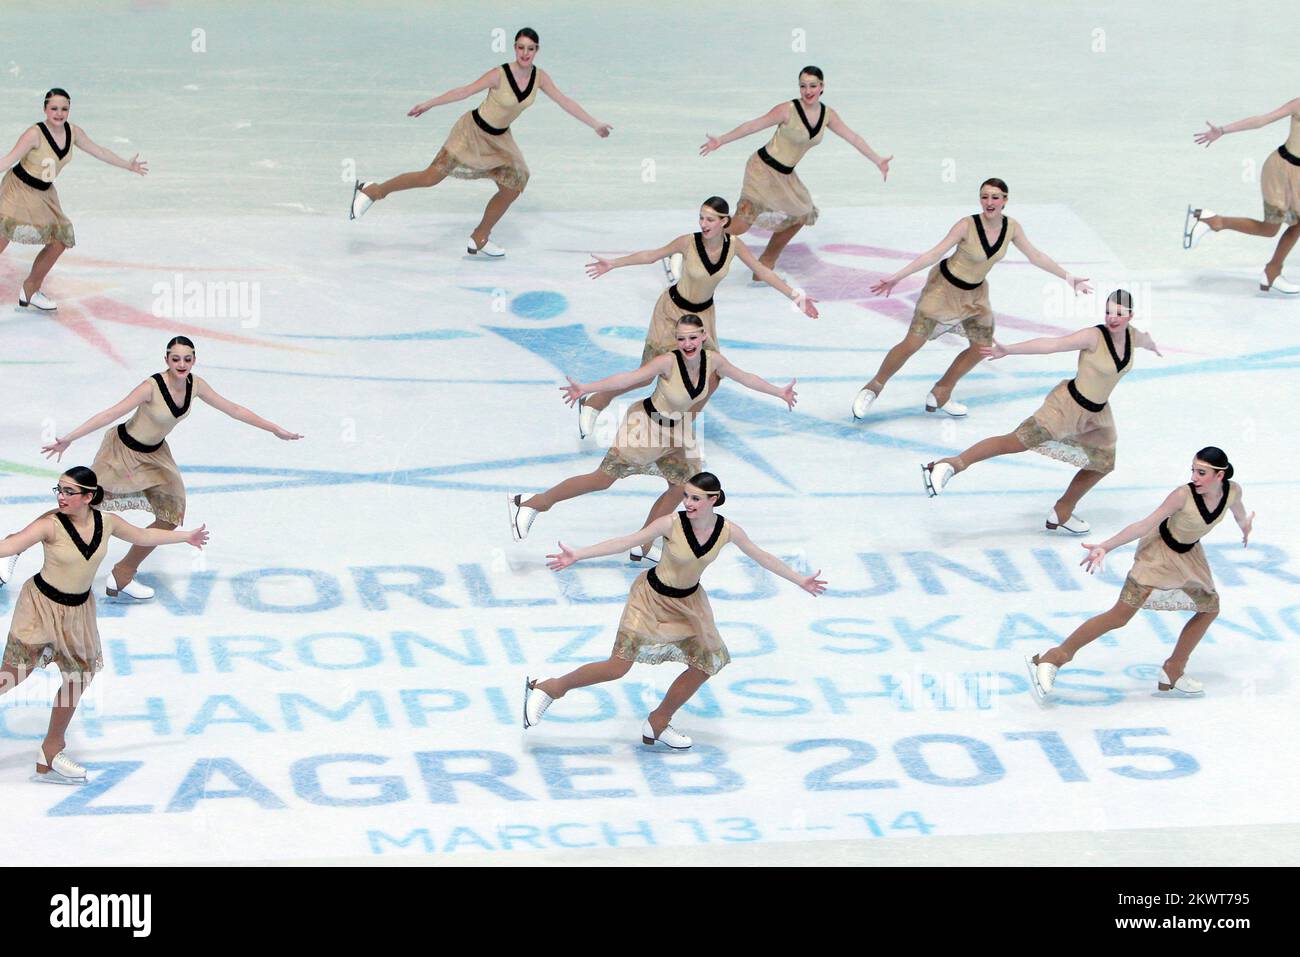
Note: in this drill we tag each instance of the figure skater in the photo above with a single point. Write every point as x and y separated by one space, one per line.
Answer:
29 204
956 297
667 616
480 144
1170 573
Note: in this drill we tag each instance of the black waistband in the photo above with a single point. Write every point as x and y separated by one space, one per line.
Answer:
959 283
53 594
1180 547
1077 396
34 183
135 444
485 126
1287 155
665 590
657 416
683 303
767 158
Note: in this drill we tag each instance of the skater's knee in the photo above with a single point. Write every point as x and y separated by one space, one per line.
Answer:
1123 612
1271 229
911 343
619 666
602 479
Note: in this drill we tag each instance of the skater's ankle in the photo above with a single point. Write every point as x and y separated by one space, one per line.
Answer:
1174 669
52 746
550 687
1053 657
123 576
658 722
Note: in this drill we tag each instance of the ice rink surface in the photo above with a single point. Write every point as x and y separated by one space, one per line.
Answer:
339 676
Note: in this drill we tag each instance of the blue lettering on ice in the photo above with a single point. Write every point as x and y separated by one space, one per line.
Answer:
472 654
413 700
480 590
911 755
796 705
419 834
324 588
290 703
836 698
643 698
374 589
194 602
568 653
198 786
882 578
368 652
558 774
104 775
122 659
305 774
831 628
1112 743
766 643
663 769
922 564
206 715
92 721
223 654
440 780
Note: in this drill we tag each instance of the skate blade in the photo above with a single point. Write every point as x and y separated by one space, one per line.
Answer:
1035 688
927 476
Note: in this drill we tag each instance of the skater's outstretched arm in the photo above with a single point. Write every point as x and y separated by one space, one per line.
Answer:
728 370
566 556
806 304
570 105
30 139
1080 341
809 583
620 381
105 155
1244 522
841 129
238 412
485 82
136 398
924 261
41 530
1213 132
772 117
598 267
153 537
1097 553
1046 263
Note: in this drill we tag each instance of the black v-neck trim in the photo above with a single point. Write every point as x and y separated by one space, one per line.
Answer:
693 542
712 268
520 95
49 138
989 251
1207 516
1110 346
812 131
87 551
693 390
167 396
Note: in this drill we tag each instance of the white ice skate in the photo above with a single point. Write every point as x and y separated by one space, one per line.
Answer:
673 267
1195 227
536 702
489 249
670 737
1184 687
132 589
862 402
7 569
587 417
38 301
521 517
651 555
360 201
1074 524
1042 676
936 476
1281 285
61 769
955 409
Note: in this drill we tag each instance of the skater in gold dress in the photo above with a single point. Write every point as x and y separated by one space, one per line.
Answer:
29 204
772 195
1279 184
956 298
706 258
1170 572
657 436
667 616
480 144
135 464
54 617
1074 424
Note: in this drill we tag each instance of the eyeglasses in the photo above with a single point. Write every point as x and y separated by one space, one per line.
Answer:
69 492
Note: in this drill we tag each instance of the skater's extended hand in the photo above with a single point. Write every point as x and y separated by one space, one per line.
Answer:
1145 341
199 537
1211 134
883 166
285 434
57 447
789 395
138 166
573 391
1080 285
564 559
603 130
995 351
1245 530
598 267
711 143
1096 556
807 305
812 584
419 109
884 287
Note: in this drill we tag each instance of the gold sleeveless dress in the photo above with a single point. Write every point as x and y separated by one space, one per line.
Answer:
692 295
1074 424
1279 180
668 616
658 435
772 196
1167 574
54 618
955 297
29 204
134 463
480 144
